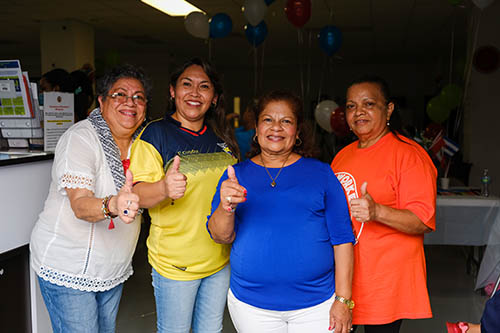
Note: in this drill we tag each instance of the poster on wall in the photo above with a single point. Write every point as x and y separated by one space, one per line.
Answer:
14 99
58 116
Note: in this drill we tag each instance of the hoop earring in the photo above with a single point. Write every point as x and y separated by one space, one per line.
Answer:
254 139
298 141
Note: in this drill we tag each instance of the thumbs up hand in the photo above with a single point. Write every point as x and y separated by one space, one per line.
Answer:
127 203
175 181
231 192
364 208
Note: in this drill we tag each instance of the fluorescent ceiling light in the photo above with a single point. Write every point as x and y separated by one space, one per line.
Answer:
173 7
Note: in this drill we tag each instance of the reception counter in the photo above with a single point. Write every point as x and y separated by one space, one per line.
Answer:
24 184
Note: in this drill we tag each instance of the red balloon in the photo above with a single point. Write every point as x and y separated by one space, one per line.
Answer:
298 12
339 123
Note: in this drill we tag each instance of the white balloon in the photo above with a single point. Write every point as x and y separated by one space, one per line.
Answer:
254 11
482 4
196 24
323 113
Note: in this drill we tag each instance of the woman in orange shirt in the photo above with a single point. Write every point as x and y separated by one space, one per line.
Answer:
390 183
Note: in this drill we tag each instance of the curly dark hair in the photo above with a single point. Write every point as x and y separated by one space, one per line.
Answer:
105 83
215 117
306 147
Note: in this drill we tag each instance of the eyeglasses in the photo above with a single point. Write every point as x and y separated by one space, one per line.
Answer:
122 98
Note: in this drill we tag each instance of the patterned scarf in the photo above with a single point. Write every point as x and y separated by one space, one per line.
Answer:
108 144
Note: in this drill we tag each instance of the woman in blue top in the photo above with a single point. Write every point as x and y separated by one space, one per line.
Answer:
287 219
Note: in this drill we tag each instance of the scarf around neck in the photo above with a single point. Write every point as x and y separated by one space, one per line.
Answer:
108 144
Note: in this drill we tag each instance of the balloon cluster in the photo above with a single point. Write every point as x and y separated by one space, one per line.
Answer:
256 29
198 25
439 107
331 118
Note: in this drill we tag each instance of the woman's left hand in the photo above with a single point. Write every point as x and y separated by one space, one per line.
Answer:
340 318
126 204
364 209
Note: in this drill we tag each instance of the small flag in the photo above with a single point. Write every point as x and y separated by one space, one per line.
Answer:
436 146
450 147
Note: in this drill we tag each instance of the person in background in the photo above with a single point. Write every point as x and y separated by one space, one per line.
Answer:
83 242
287 219
390 183
84 94
57 79
177 162
246 131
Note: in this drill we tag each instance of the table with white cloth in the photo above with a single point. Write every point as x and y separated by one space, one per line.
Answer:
464 220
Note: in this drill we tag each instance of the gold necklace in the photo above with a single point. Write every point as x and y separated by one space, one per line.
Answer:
273 180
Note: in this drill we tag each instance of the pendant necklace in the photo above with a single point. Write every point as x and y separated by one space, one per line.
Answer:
273 180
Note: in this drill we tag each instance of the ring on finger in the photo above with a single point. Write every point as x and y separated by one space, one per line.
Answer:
125 212
129 203
228 198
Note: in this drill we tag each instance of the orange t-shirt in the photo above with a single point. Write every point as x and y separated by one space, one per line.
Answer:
389 280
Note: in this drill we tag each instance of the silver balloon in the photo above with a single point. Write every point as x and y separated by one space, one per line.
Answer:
254 11
196 24
323 113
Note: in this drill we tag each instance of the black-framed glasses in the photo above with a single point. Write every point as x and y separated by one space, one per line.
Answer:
122 98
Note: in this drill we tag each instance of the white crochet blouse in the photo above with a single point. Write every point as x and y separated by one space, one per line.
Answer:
75 253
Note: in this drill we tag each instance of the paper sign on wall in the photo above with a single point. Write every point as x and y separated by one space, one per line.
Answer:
59 115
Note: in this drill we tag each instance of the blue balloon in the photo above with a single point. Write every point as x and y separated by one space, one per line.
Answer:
330 39
256 35
268 2
220 25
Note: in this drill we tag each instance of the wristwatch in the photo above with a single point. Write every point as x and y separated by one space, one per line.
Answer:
348 302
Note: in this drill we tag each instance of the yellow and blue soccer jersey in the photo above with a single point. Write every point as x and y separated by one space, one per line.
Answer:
179 244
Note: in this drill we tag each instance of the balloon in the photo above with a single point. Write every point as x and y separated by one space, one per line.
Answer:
451 95
323 114
482 4
330 38
220 25
254 11
437 109
268 2
196 24
339 123
256 35
298 12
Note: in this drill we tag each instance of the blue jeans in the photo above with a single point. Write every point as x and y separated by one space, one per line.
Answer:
79 311
197 304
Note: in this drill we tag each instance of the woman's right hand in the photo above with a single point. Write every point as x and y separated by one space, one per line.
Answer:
231 192
175 182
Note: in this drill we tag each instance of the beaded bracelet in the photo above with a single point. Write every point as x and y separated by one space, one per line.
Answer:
106 212
105 208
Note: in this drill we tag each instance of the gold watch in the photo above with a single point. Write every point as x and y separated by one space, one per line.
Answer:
346 301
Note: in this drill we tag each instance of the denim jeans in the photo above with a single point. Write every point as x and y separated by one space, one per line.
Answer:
79 311
197 304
